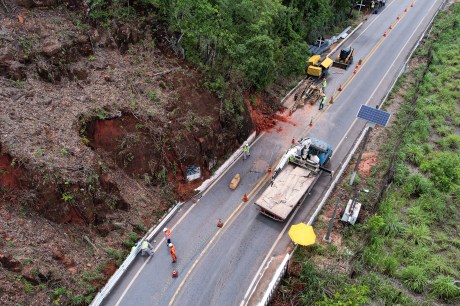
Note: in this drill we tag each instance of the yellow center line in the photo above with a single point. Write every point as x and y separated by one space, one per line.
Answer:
226 223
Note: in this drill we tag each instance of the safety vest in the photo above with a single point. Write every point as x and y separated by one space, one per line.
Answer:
291 158
323 100
324 83
372 4
246 148
145 245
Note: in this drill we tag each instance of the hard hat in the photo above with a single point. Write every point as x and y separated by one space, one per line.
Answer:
165 229
170 245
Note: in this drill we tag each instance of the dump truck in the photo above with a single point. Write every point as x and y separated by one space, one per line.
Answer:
318 67
293 178
345 58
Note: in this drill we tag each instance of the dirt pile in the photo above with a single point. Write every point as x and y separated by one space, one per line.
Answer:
264 112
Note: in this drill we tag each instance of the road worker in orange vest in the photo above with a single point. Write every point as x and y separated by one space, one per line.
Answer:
172 250
167 232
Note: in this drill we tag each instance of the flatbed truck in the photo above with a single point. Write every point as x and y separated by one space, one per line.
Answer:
294 177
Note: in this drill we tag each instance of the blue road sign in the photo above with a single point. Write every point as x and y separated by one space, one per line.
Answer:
374 115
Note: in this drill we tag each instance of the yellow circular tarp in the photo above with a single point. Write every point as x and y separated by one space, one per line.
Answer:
302 234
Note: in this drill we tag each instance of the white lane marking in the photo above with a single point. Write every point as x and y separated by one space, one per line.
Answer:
369 25
268 255
383 78
132 281
356 119
155 249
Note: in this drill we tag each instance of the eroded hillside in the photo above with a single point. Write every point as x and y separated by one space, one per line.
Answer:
98 126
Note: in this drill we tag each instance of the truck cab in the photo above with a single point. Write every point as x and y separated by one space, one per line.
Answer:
321 149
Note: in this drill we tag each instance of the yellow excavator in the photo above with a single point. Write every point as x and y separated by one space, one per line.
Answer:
317 67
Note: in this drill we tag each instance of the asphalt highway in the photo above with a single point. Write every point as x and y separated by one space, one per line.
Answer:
220 266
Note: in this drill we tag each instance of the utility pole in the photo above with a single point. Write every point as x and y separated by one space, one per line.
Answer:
366 137
327 238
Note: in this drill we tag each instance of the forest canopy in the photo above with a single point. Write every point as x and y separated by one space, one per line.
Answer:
251 41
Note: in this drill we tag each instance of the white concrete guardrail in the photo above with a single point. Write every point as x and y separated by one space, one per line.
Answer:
283 266
127 262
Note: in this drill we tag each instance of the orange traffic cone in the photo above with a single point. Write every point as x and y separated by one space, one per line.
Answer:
245 198
340 87
332 100
354 71
269 170
360 62
397 18
405 10
220 223
293 140
311 122
174 274
385 34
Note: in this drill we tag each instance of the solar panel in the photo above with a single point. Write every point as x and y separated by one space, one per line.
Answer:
373 115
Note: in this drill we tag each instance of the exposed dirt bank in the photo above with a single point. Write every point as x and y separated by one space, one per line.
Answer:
98 127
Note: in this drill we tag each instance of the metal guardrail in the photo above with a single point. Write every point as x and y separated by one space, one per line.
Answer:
341 43
226 165
127 262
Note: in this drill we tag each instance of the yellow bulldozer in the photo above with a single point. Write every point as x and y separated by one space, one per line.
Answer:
317 67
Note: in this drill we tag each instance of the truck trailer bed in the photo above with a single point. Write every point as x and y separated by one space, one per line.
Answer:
288 188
